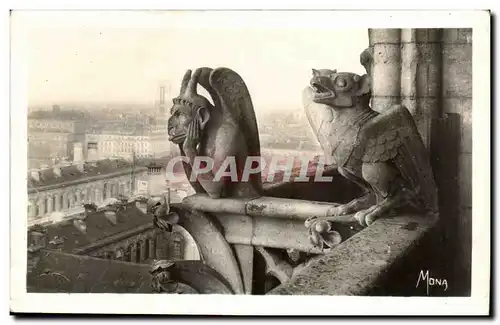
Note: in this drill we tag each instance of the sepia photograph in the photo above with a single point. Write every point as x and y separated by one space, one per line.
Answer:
171 154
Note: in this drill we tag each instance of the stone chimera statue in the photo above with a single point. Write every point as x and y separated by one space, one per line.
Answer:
382 152
226 129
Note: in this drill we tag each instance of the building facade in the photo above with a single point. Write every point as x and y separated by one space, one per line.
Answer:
147 142
51 135
122 145
59 192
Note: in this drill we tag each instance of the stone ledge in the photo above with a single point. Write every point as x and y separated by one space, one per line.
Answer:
355 266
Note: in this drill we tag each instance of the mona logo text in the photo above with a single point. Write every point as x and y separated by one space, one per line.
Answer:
424 278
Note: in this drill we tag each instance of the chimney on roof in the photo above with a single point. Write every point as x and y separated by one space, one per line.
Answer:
80 225
111 215
92 152
57 170
35 174
78 156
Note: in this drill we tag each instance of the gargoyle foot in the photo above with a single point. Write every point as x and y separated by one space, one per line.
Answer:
355 205
382 209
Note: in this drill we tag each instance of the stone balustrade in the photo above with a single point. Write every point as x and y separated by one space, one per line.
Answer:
354 267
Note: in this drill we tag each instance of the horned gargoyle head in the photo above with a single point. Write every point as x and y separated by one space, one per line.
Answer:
339 89
189 109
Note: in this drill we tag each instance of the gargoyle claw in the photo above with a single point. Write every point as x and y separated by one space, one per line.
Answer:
339 210
368 216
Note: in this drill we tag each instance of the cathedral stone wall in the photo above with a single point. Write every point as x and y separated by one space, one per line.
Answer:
457 99
430 72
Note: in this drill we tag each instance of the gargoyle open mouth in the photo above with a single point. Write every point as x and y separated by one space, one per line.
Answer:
320 91
319 88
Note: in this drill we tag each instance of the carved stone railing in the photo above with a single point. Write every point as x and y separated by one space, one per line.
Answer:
353 267
276 222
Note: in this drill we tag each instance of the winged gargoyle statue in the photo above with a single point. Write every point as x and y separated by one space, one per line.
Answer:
382 151
228 128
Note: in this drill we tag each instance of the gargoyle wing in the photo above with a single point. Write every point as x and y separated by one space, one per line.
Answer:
393 135
231 93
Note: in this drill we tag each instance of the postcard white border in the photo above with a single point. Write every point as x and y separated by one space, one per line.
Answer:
279 305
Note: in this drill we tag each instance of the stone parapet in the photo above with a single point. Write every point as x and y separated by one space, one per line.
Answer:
357 265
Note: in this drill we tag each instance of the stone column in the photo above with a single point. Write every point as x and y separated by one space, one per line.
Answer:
49 204
386 68
142 243
457 102
126 188
421 76
407 70
58 202
86 195
41 207
33 209
65 201
108 191
98 197
71 200
133 253
409 67
91 195
152 248
77 197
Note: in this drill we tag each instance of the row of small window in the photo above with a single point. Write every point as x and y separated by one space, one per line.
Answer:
128 150
51 143
123 137
145 155
118 144
51 203
175 249
127 144
48 136
144 250
52 125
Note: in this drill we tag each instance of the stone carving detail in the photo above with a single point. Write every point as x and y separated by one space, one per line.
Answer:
275 265
321 234
163 216
217 272
226 129
382 152
162 281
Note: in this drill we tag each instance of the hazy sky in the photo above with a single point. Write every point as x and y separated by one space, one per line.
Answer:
124 56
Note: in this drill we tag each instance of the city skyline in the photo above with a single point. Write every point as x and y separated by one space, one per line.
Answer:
110 60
